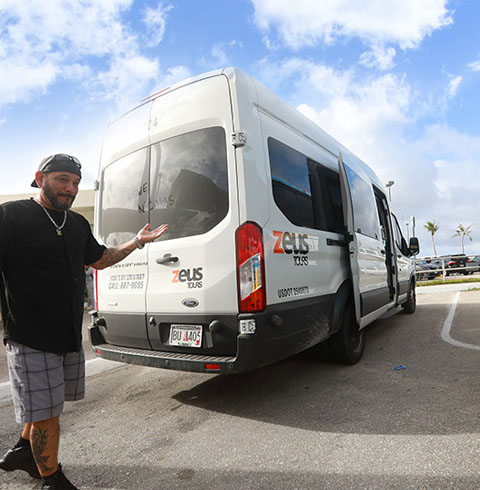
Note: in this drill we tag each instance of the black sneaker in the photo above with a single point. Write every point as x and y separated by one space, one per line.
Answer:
20 458
57 481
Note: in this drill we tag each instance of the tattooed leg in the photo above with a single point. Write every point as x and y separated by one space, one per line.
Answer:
44 438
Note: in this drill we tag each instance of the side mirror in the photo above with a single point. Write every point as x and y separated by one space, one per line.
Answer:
414 246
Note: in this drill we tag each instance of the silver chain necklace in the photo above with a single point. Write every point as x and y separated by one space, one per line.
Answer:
57 227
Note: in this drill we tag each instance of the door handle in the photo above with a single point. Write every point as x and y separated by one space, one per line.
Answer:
167 259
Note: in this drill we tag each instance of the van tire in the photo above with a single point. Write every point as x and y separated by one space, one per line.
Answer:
410 305
347 345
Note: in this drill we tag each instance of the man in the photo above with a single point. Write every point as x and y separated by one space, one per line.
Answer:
44 248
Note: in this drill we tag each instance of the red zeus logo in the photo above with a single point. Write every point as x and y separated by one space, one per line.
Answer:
192 277
292 243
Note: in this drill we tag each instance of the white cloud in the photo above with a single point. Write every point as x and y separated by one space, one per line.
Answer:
379 57
308 22
269 44
155 22
44 42
127 80
218 56
22 79
353 110
474 65
453 85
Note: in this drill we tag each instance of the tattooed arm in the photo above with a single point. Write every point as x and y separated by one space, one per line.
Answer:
112 255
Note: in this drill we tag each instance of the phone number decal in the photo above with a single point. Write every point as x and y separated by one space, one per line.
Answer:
126 281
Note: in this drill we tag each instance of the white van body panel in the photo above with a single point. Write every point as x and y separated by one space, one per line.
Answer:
252 177
127 134
289 276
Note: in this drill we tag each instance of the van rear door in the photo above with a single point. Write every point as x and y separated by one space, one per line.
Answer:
121 211
192 273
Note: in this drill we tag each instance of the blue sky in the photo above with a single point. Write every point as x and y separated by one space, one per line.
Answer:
396 81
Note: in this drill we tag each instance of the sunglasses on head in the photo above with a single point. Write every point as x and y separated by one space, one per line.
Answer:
61 156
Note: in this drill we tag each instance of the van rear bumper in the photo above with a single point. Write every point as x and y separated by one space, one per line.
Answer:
302 324
199 363
166 360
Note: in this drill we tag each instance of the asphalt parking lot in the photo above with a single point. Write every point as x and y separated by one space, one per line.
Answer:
406 417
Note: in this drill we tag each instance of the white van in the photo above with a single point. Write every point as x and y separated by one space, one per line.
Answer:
279 238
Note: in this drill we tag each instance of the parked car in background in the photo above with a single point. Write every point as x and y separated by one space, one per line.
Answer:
457 265
438 263
473 265
427 270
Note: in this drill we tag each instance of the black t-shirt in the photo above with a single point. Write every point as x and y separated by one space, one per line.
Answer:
42 281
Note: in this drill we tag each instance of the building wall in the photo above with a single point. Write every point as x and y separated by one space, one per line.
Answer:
83 204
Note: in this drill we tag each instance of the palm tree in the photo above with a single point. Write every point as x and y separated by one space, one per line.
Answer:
463 231
432 228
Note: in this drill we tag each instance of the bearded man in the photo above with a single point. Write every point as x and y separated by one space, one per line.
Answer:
44 248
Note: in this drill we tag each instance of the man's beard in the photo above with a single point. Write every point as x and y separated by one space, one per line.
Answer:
59 206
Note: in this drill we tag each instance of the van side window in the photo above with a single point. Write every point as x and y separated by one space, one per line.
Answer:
291 183
327 197
400 241
189 182
365 216
306 192
124 206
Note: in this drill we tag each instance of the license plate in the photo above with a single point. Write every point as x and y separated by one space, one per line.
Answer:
186 335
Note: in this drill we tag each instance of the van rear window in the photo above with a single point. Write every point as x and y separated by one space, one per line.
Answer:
124 198
181 181
189 182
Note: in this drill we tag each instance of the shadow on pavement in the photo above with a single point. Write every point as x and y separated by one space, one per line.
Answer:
434 395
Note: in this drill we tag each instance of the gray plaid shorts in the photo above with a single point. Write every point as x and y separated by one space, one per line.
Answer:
42 381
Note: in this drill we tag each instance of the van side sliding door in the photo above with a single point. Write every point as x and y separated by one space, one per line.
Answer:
352 238
367 252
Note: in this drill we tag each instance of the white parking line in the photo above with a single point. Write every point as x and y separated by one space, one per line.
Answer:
92 367
447 325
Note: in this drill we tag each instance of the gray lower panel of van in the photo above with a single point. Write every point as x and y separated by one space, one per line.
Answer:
373 300
128 329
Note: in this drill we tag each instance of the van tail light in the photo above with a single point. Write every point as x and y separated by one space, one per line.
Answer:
250 268
95 275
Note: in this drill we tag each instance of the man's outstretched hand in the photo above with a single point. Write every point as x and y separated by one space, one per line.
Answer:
145 235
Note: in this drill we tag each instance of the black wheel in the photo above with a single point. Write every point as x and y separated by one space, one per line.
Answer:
411 303
347 345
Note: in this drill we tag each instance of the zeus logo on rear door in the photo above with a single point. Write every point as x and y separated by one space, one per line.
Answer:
292 243
193 277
